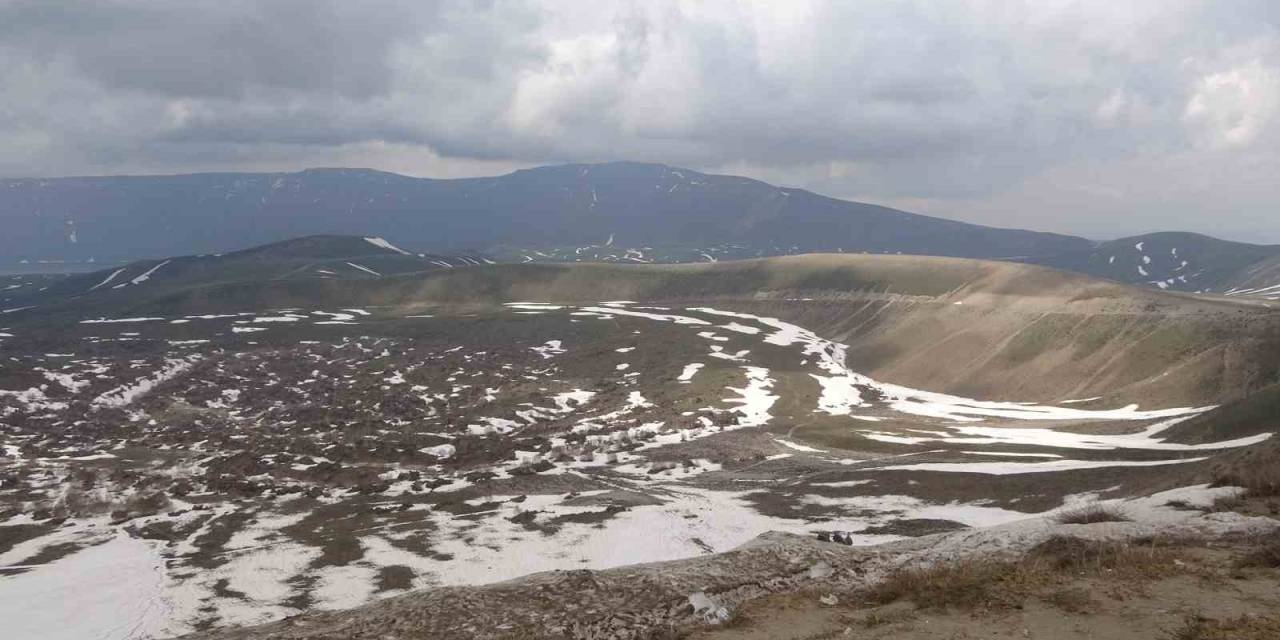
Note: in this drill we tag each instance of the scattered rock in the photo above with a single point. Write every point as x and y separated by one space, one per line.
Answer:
820 570
708 608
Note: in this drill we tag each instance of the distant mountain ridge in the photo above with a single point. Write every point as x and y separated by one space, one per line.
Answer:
1180 261
613 212
635 205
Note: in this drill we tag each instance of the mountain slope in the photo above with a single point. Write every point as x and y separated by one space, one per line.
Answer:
615 212
1005 330
1179 262
315 441
307 258
1260 279
616 205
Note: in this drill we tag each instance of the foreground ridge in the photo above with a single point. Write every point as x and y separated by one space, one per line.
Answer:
646 601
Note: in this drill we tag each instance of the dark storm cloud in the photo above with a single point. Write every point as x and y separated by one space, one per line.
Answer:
223 48
1092 117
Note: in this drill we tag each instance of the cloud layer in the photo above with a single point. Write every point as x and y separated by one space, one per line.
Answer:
1101 118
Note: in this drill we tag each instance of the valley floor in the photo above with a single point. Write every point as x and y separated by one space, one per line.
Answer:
201 472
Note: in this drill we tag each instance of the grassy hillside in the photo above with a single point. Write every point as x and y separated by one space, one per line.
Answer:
979 328
245 282
1257 413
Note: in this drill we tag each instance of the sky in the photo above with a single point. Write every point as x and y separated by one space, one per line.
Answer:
1100 119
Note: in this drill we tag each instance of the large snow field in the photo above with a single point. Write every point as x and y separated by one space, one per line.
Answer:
113 589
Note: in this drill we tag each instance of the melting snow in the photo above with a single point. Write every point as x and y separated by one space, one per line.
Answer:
108 278
798 447
364 269
741 328
614 310
123 395
115 320
440 452
908 507
718 352
689 371
548 349
379 242
1145 439
284 318
754 399
1012 468
533 306
147 275
111 591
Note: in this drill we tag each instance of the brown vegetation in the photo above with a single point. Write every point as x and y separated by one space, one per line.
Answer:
986 585
1261 489
1265 555
1239 628
1093 514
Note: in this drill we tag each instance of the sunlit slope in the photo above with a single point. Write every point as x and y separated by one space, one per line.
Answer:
979 328
826 276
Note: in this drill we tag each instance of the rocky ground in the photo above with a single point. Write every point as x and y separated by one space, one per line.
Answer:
248 467
1172 557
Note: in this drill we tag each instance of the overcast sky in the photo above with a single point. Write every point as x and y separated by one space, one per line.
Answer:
1096 118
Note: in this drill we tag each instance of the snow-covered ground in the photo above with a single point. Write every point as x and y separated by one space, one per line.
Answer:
113 589
640 506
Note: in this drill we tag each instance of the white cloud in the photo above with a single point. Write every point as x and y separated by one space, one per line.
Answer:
1234 108
965 107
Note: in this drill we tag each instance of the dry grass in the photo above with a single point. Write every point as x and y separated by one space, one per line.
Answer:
1265 556
1139 560
1227 503
995 585
1259 481
883 617
1241 628
1075 600
1092 514
1261 495
968 584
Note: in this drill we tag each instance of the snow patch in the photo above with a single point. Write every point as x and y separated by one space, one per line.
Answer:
379 242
